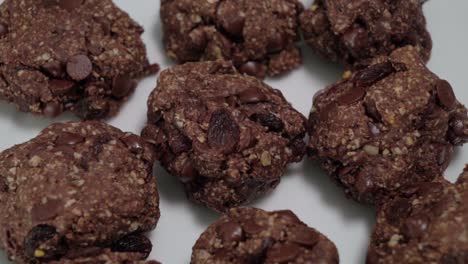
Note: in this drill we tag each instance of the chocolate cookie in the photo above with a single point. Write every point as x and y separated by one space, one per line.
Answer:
391 124
425 224
79 56
258 36
226 136
354 31
78 191
249 235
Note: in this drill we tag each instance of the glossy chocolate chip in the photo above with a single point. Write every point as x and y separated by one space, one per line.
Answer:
223 131
52 109
122 85
303 235
270 121
445 94
231 20
252 95
67 138
136 243
230 232
134 143
61 87
46 240
276 42
46 211
198 39
3 30
372 111
79 67
352 96
253 68
373 74
283 253
251 227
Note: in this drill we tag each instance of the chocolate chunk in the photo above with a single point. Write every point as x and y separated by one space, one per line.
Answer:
134 143
372 111
269 121
46 211
445 94
67 138
198 39
79 67
276 42
44 243
280 238
252 95
122 86
230 19
134 243
223 132
253 68
52 109
354 95
373 74
60 87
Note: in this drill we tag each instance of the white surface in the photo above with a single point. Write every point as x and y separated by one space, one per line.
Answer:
305 189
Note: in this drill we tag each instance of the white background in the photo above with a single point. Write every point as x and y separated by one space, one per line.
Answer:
305 189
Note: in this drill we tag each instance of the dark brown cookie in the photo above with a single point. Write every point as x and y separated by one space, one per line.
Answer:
391 124
226 136
79 56
249 235
78 191
258 36
424 224
354 31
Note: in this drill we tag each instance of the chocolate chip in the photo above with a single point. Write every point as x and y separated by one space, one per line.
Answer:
134 143
70 5
251 227
230 232
276 42
67 138
283 253
414 227
303 235
445 94
252 95
54 68
46 211
179 143
230 18
270 121
372 111
373 74
253 68
289 216
198 38
52 109
352 96
134 243
399 209
79 67
60 87
3 30
223 131
122 85
46 239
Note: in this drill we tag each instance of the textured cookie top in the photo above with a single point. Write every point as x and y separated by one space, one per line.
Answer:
258 36
249 235
228 137
59 55
388 125
354 31
425 224
76 185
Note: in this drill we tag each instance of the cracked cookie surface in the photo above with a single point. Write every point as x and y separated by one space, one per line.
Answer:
76 192
388 125
78 56
250 235
353 32
425 224
226 136
258 36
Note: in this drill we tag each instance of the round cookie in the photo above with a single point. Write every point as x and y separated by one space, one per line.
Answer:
78 191
391 124
249 235
352 32
226 136
425 224
258 36
78 56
